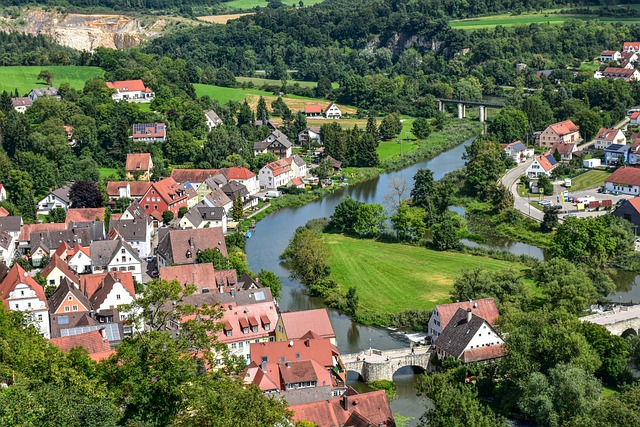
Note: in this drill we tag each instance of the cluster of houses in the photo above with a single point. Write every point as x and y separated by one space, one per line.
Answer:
626 63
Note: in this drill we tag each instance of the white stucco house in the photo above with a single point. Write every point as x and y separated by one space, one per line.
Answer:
625 179
131 91
7 248
608 136
55 199
20 292
332 111
541 165
115 255
276 174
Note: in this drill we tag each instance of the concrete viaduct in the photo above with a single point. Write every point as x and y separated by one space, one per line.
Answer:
462 107
374 365
622 320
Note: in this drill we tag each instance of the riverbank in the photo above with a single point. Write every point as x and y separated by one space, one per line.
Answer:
454 133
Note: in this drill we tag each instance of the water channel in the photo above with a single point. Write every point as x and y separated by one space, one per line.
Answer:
272 235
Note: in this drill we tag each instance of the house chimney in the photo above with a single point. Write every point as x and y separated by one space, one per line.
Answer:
345 402
469 315
233 293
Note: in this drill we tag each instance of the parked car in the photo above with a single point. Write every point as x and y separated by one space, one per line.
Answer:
273 194
615 192
569 216
621 201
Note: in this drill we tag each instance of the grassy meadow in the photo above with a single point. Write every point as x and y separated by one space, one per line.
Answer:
590 179
25 78
391 277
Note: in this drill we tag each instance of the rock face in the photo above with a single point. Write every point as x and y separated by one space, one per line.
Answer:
85 32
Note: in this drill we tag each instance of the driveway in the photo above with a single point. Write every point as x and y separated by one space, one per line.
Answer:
510 181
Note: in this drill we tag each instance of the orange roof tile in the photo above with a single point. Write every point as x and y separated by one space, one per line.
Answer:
201 275
16 276
564 128
138 162
57 262
320 350
484 308
193 175
128 86
298 323
84 215
309 109
625 175
90 283
91 341
238 173
27 229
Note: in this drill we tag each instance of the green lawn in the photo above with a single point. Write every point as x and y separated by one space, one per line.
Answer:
25 78
526 19
391 277
107 172
259 81
590 179
250 4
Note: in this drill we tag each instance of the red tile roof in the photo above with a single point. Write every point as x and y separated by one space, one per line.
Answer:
563 148
329 106
3 212
57 262
618 72
297 182
16 276
545 163
631 46
92 341
138 162
170 191
137 188
320 350
483 354
128 86
298 323
607 134
201 275
280 166
608 52
85 215
193 175
27 229
309 109
90 283
625 175
635 115
237 318
371 408
564 128
635 202
238 173
484 308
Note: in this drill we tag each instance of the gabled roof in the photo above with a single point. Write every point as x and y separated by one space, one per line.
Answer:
634 115
331 105
607 134
320 350
483 353
234 189
547 162
62 193
128 86
298 323
618 72
517 146
485 308
459 332
51 240
278 137
217 198
15 276
372 408
90 283
84 215
609 52
28 230
148 130
311 109
211 115
631 46
169 190
625 175
629 55
134 211
60 295
92 341
136 188
199 213
104 251
298 160
3 212
11 224
21 102
238 317
178 244
57 262
5 239
131 230
564 128
106 286
200 275
617 148
280 166
138 162
246 282
236 173
563 148
193 176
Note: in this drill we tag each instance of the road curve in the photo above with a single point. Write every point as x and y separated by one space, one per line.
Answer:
510 181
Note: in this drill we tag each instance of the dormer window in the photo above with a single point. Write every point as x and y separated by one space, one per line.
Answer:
189 255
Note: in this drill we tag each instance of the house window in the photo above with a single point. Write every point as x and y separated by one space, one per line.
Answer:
70 298
67 309
240 344
267 326
229 332
75 308
117 296
29 305
233 346
254 329
124 259
63 320
40 317
131 268
22 293
52 282
245 330
17 306
122 251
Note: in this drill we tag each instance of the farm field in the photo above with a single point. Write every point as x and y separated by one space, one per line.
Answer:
259 81
591 179
250 4
222 19
391 277
25 78
526 19
295 103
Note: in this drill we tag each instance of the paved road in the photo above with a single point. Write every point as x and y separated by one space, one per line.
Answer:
510 181
618 314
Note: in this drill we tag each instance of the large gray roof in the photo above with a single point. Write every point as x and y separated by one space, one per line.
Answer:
131 230
458 333
103 251
11 224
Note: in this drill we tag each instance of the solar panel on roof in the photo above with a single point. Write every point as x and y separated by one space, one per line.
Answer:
111 330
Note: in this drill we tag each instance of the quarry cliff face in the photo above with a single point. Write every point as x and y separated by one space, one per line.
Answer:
85 32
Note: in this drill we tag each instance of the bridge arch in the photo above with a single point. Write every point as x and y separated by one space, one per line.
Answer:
629 332
409 369
355 375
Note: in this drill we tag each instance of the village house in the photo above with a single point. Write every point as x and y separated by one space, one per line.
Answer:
95 342
243 176
165 195
136 232
108 291
202 216
631 47
625 180
125 189
625 74
12 225
298 167
441 316
67 307
610 55
634 149
313 110
629 57
352 409
139 166
634 118
276 174
77 257
43 244
297 325
629 210
194 177
310 135
559 133
469 338
234 189
518 151
178 247
131 91
332 111
7 248
616 153
50 92
607 136
541 165
217 199
210 184
3 193
20 292
213 120
21 104
56 271
55 199
149 132
199 275
565 150
276 143
115 255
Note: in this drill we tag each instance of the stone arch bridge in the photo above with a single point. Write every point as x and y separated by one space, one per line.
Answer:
622 320
374 365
